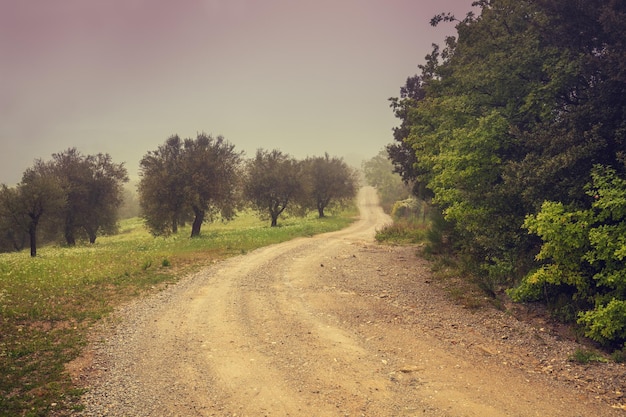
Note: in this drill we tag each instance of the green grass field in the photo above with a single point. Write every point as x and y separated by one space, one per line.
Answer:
48 303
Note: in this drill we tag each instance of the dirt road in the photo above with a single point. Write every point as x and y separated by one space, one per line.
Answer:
333 325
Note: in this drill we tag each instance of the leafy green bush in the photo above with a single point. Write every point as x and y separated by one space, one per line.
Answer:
406 209
607 322
584 251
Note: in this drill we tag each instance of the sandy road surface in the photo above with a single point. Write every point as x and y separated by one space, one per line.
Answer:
333 325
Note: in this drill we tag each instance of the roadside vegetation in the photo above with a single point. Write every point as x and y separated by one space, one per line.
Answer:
48 303
513 132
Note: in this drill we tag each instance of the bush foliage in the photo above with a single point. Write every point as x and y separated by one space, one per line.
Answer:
502 130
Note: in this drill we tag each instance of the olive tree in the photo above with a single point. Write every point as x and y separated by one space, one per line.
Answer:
273 183
39 196
190 179
328 182
211 179
93 189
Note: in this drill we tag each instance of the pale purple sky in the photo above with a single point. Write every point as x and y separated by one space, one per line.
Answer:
121 76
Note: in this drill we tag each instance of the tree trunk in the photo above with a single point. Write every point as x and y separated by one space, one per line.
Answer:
69 237
175 224
32 232
321 205
197 222
92 235
275 212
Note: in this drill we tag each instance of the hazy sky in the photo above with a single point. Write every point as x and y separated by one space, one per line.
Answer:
121 76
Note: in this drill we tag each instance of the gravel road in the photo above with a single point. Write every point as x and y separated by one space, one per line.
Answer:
333 325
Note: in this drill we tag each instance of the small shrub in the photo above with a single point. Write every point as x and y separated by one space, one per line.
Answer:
165 263
438 234
147 264
606 323
585 356
619 356
401 232
405 209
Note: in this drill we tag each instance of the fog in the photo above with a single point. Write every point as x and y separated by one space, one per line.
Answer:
121 76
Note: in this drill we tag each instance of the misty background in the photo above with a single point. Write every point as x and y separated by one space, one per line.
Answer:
120 76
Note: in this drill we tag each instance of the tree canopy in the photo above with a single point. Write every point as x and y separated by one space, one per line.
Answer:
93 188
328 181
39 196
273 183
380 173
191 179
515 110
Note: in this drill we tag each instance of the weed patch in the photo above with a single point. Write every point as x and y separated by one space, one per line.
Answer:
402 233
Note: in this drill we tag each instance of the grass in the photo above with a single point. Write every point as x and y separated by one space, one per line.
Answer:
585 356
48 303
403 232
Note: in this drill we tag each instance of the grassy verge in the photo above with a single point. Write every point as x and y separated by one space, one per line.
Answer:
403 232
47 304
463 289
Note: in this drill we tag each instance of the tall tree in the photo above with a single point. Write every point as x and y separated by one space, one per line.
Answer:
273 183
73 172
328 181
401 152
104 197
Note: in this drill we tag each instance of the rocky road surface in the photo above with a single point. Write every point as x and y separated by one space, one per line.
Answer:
333 325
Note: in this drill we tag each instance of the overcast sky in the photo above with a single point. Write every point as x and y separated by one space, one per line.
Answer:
121 76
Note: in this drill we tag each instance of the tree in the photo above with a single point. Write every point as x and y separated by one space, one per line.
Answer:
189 179
273 183
401 153
104 197
161 187
514 111
13 221
93 188
130 203
37 196
328 181
212 169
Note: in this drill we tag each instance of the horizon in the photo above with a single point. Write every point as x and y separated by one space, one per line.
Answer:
121 77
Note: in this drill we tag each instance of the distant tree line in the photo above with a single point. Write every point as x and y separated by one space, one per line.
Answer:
516 132
204 179
184 181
